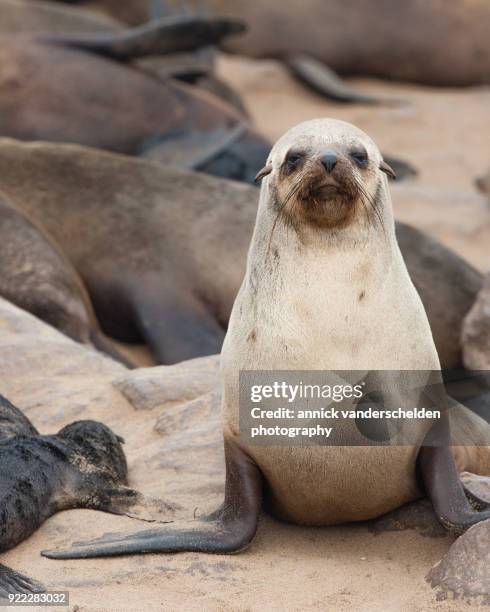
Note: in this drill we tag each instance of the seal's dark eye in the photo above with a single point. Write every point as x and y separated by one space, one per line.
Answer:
360 157
293 160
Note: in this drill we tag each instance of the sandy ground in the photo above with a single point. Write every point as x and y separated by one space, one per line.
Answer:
56 381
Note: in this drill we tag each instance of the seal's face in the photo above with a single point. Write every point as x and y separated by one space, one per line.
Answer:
100 446
325 173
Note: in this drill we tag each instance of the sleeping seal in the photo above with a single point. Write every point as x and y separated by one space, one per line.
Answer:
326 288
36 276
82 466
183 261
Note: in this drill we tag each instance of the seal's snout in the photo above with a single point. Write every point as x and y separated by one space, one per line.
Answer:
329 160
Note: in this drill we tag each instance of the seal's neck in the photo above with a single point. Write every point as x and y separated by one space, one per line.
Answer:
367 242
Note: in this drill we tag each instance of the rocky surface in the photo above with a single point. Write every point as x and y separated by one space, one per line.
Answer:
175 455
464 573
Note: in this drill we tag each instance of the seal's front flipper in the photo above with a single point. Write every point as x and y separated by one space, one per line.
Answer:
326 82
173 34
192 150
443 484
231 530
125 501
175 324
105 345
12 583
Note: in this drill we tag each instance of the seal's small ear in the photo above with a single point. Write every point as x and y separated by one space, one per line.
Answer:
387 169
264 172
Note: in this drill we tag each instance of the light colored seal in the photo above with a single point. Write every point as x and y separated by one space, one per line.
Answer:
326 288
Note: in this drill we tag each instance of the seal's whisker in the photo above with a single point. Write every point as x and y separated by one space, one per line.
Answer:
372 202
295 187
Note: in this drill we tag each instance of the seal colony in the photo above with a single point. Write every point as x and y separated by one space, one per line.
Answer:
41 100
404 41
326 288
184 259
82 466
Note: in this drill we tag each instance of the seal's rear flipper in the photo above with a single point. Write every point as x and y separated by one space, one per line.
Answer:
173 34
324 81
12 583
231 531
443 485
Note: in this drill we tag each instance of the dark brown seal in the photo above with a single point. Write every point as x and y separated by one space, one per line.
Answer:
82 466
37 277
425 41
34 16
132 12
53 92
171 276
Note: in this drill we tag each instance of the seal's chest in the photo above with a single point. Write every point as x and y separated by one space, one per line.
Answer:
312 323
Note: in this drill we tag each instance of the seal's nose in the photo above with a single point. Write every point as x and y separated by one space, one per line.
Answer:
329 160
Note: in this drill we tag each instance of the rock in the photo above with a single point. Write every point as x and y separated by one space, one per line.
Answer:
149 388
464 572
477 485
198 412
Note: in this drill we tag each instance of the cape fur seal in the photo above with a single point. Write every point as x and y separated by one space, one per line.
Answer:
172 276
432 42
82 466
326 288
32 16
37 277
132 12
41 99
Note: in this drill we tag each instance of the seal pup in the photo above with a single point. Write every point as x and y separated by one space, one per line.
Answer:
37 277
82 466
326 288
183 261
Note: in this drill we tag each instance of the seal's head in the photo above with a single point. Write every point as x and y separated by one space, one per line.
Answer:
100 446
325 173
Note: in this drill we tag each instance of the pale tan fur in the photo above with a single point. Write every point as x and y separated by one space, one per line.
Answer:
300 310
